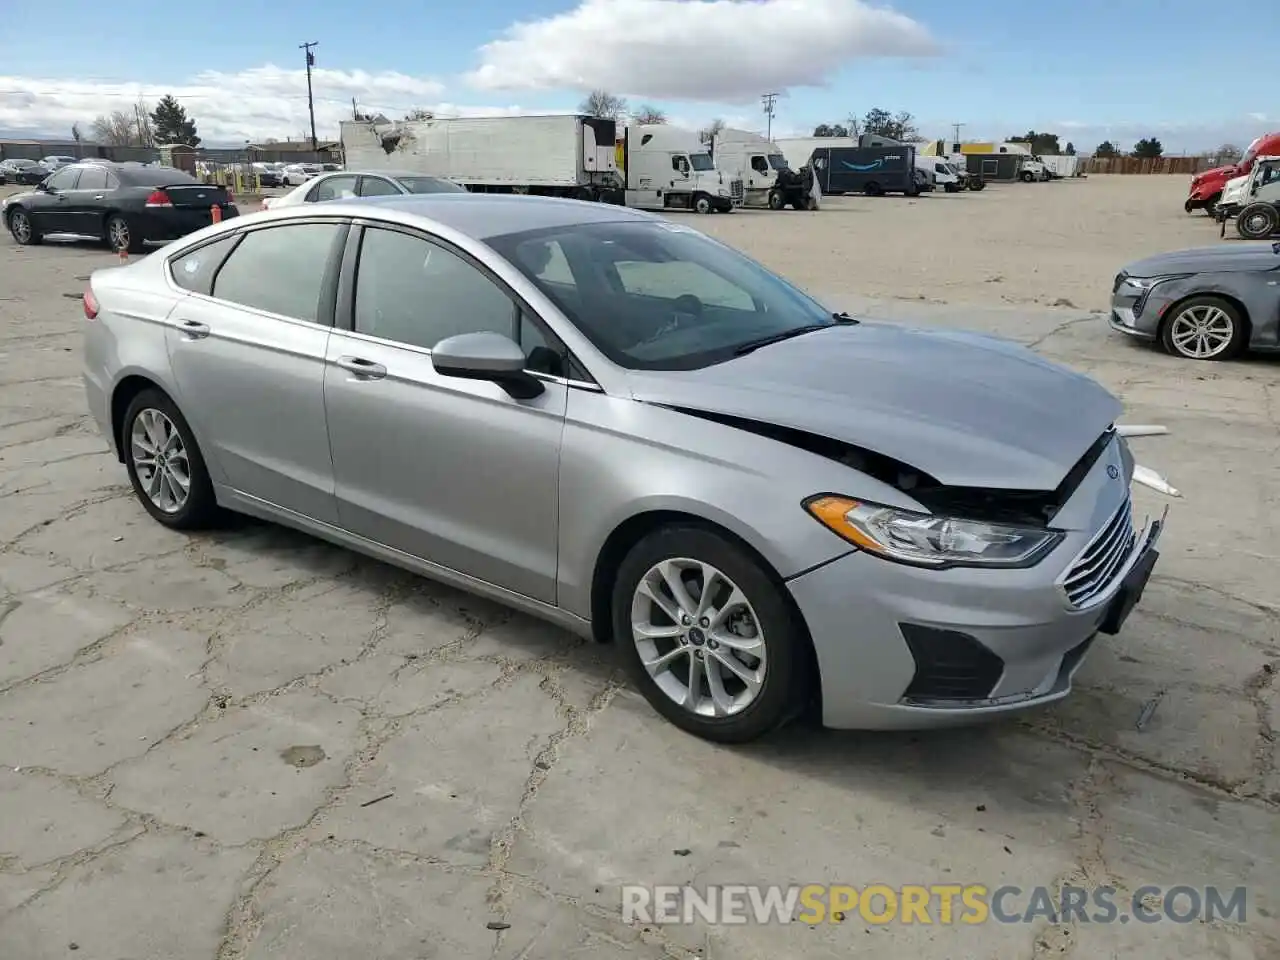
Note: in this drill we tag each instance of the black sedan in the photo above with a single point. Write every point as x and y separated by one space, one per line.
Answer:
127 205
23 171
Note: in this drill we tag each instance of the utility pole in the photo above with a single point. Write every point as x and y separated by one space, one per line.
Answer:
311 102
769 99
355 112
955 143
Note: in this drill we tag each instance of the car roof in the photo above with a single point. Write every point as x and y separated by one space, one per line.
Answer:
480 216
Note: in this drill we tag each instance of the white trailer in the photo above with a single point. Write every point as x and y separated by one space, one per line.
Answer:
1061 166
559 156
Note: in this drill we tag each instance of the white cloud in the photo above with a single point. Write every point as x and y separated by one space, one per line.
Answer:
1260 117
707 50
256 104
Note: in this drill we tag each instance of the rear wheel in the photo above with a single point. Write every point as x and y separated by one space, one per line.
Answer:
873 189
708 636
1258 221
1204 328
23 230
120 236
165 465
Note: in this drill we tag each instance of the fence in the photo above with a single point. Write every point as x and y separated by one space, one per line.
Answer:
37 149
1186 166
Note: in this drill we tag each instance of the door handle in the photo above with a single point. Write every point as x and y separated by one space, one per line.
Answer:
99 196
195 329
365 369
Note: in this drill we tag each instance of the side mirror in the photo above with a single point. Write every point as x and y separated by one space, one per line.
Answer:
43 187
486 356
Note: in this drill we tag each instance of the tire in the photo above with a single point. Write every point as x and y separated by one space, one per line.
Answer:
22 229
1212 310
119 235
872 189
1258 221
786 664
702 204
977 184
1189 206
200 508
1028 176
776 201
1211 204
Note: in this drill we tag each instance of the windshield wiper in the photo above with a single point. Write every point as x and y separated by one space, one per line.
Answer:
750 345
845 318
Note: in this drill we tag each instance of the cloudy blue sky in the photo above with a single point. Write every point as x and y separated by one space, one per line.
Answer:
1086 69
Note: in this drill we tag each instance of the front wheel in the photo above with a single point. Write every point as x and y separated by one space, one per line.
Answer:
165 466
23 230
702 204
776 200
1204 328
1258 221
1028 176
708 635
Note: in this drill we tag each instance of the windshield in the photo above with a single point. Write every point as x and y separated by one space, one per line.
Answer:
429 185
777 161
701 161
657 295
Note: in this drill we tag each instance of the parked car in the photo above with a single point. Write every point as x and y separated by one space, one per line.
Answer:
1207 303
269 174
56 163
19 171
338 186
293 174
127 205
619 424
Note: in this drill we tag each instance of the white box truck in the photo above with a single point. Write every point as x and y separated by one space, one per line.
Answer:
554 156
668 168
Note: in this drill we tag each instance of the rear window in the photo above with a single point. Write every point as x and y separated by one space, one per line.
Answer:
153 176
429 185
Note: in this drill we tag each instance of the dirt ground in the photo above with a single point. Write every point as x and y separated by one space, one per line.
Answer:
1050 244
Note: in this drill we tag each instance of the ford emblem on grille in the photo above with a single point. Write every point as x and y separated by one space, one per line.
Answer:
1113 471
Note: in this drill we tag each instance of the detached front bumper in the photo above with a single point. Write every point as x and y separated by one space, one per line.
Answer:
901 647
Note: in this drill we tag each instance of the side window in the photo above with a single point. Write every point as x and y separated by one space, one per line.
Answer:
280 269
377 187
759 165
65 179
543 351
332 188
194 271
92 178
414 292
680 164
676 278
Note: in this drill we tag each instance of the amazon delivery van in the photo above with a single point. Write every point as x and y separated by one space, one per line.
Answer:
874 171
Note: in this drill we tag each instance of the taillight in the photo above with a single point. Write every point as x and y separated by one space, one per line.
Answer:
90 304
159 199
231 199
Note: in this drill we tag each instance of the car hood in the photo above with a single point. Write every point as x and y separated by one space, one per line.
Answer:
15 197
1225 258
967 409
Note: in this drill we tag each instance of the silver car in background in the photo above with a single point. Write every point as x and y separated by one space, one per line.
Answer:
609 420
346 184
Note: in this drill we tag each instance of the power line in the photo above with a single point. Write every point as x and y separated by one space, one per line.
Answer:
769 99
311 101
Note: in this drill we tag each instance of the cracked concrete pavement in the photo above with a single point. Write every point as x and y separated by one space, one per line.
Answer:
249 744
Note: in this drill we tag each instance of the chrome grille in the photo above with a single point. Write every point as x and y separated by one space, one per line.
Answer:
735 189
1102 560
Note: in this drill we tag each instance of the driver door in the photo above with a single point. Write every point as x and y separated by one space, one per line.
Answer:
51 209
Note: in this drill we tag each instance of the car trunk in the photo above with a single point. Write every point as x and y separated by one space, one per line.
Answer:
192 195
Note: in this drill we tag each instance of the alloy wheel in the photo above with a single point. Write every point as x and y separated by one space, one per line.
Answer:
1202 332
698 637
160 460
118 234
20 226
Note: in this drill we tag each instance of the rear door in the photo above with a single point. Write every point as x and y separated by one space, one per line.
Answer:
85 202
247 349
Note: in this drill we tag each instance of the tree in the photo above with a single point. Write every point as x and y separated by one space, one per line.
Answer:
1039 143
1228 153
1071 149
1105 149
647 113
116 129
603 104
171 123
831 130
712 130
419 113
1148 148
881 123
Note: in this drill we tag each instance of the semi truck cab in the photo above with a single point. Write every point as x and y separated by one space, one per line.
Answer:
666 168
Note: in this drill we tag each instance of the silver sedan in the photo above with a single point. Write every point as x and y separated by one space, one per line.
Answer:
609 420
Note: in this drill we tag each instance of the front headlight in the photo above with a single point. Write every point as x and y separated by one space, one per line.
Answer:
928 540
1146 283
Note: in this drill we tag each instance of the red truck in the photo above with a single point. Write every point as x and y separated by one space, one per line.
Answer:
1206 187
